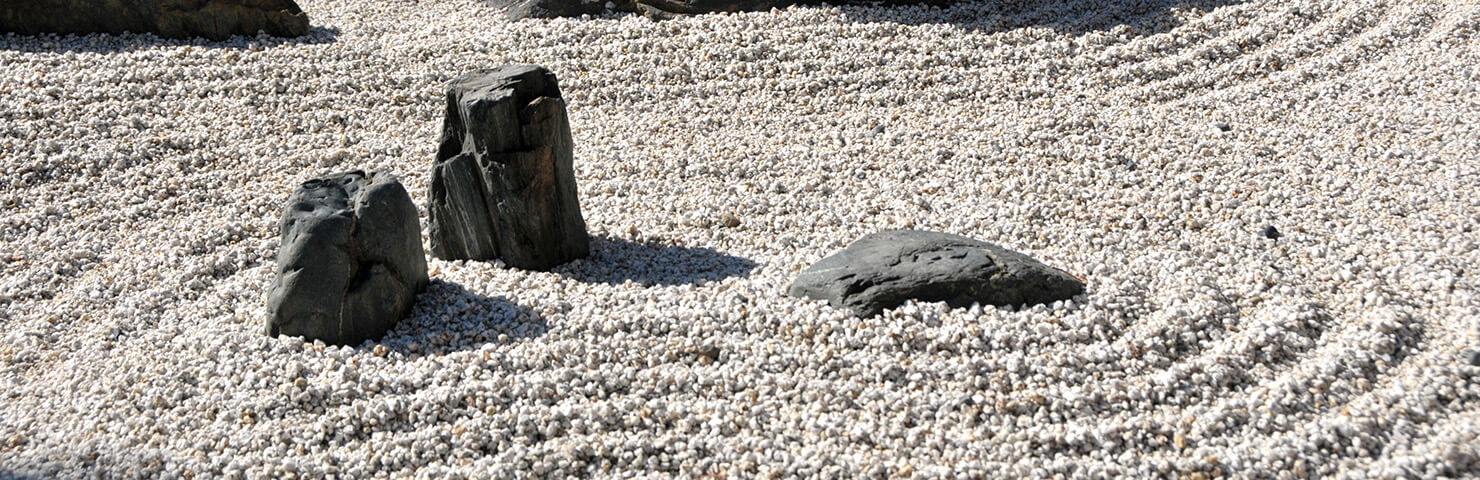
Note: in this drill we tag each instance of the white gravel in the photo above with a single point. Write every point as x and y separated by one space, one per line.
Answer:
1143 145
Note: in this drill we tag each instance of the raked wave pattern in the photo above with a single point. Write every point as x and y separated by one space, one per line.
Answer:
1143 145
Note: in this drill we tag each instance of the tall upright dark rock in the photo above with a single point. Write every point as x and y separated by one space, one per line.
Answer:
351 262
503 186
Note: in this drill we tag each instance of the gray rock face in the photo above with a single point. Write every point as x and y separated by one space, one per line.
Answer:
518 9
351 261
214 19
503 186
883 270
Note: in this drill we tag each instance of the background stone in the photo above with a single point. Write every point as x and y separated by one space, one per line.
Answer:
213 19
657 8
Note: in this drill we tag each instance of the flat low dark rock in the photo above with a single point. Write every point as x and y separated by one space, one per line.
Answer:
883 270
351 261
503 185
213 19
517 9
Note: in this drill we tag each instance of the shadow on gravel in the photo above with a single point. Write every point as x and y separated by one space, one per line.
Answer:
1072 17
448 318
123 42
615 261
12 475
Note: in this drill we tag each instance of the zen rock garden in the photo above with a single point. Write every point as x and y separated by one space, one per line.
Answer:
503 188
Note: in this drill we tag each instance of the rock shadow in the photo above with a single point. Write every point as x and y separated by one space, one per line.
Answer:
448 318
123 42
1073 17
18 475
616 261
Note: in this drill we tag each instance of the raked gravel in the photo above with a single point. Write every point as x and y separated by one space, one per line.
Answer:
1143 145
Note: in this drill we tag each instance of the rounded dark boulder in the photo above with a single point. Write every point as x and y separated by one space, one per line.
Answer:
351 262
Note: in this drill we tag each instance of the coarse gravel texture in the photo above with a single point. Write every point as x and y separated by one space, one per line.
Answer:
1143 145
